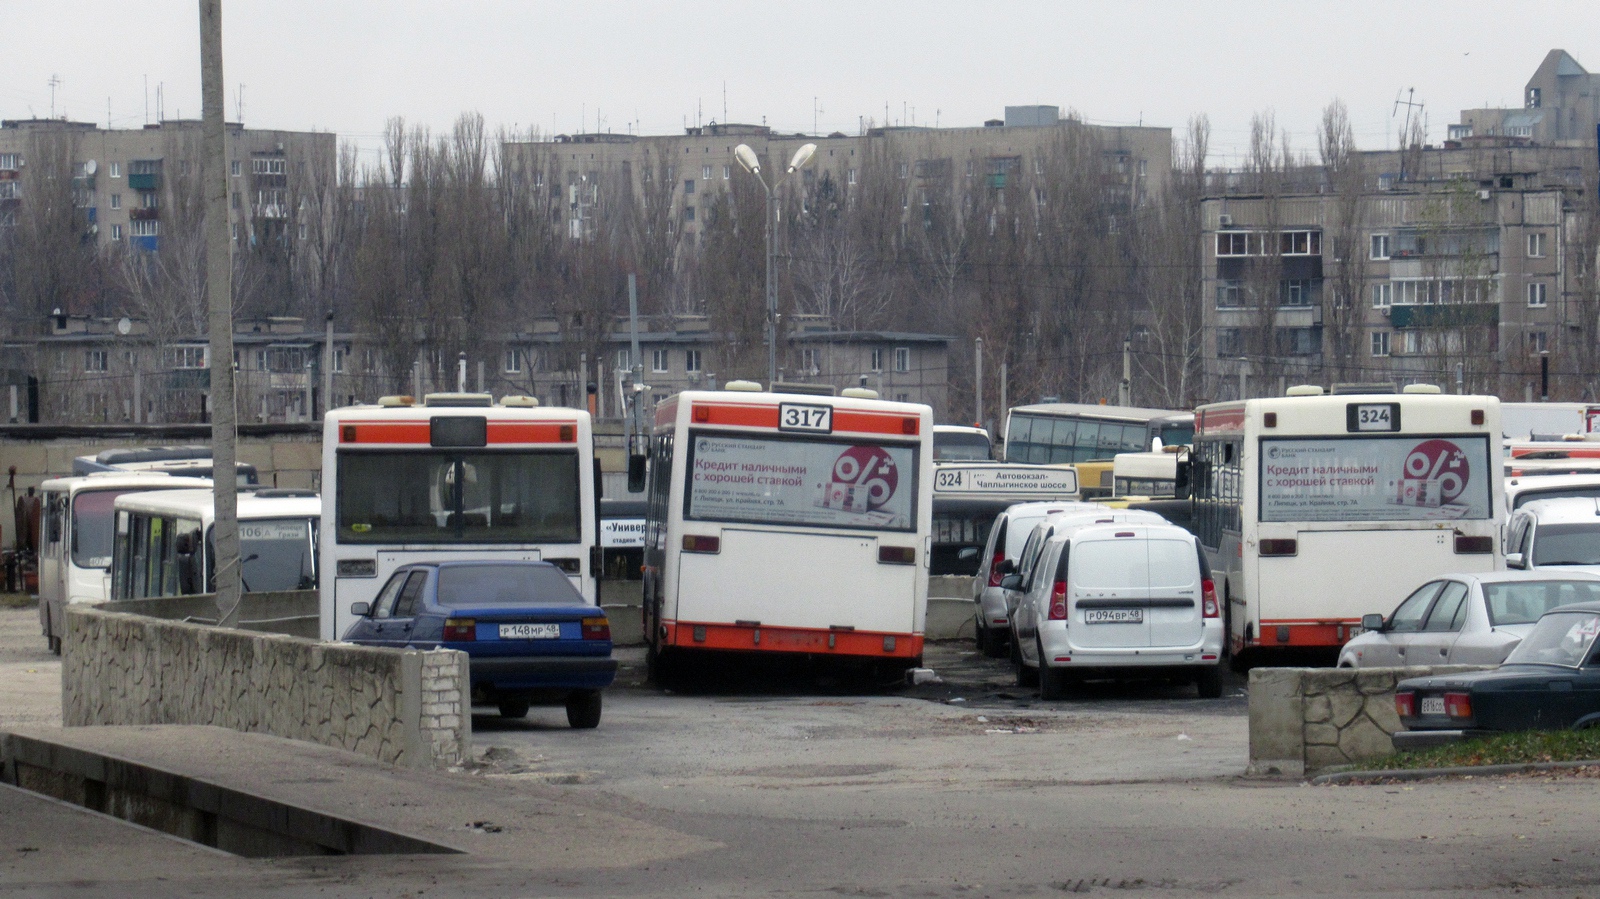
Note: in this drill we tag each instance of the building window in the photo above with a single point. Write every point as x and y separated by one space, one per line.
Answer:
1230 293
302 230
688 211
235 199
1382 295
234 168
116 232
624 360
146 228
658 360
727 172
149 199
1227 342
902 397
185 356
116 169
902 358
116 201
338 359
1380 246
808 360
513 362
1536 245
688 187
268 166
94 360
1299 341
1533 98
1536 294
877 359
691 361
904 170
1235 243
1538 342
1380 343
705 173
1295 292
850 176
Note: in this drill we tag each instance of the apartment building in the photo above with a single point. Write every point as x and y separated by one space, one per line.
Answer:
583 173
1451 265
130 184
1560 106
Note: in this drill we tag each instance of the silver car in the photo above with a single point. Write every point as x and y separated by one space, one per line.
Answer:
1465 619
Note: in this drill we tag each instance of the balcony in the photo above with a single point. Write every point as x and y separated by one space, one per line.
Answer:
144 182
1442 315
144 214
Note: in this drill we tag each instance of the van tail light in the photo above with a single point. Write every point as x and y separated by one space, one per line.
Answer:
994 569
460 630
1405 704
597 628
1208 599
1465 544
1058 601
1458 705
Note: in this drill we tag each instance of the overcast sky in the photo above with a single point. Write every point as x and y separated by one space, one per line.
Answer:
585 65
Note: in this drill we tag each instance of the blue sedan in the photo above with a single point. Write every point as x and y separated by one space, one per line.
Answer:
529 635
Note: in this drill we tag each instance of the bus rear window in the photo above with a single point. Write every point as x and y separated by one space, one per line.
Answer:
445 496
791 481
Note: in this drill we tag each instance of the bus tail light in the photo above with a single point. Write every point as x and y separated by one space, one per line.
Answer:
994 569
1482 545
597 628
460 630
1281 546
1405 704
1458 705
694 543
1208 599
897 555
1058 601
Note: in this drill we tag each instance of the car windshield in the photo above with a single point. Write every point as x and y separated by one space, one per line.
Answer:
1560 638
505 585
1567 544
960 447
1523 602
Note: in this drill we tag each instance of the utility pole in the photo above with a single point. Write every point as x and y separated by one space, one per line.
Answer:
327 363
219 315
1125 389
1244 367
977 393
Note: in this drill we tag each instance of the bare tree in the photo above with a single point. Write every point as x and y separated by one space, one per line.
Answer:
1170 354
1343 299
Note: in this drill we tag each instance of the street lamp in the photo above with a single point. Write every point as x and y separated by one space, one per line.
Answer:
750 163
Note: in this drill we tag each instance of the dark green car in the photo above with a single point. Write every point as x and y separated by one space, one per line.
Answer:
1551 681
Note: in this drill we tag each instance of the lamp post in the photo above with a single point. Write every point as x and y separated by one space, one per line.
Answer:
750 163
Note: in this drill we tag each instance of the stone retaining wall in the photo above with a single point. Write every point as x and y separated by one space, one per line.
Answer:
1305 720
405 707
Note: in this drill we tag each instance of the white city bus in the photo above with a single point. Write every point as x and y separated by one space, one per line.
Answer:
781 523
164 544
75 539
456 477
1314 507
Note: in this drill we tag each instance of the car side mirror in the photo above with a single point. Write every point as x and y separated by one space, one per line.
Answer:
1006 566
1011 582
1373 622
360 609
967 553
1181 481
636 471
1515 560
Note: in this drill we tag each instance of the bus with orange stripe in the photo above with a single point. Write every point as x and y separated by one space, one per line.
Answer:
455 477
787 524
1317 509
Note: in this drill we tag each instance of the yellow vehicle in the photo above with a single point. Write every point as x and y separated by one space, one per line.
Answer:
1094 478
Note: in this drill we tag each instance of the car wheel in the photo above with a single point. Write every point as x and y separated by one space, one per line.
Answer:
993 643
583 709
658 665
514 707
1052 684
1209 682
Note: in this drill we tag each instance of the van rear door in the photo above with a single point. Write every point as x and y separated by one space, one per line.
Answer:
1175 617
1108 586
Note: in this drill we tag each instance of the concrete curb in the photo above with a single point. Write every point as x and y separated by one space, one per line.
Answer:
1410 774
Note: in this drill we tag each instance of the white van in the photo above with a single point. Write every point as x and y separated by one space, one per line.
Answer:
1010 533
1125 599
1555 533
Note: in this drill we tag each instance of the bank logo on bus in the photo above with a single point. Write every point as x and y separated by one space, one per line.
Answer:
864 478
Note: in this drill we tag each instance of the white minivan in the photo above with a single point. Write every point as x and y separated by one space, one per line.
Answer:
1008 535
1127 599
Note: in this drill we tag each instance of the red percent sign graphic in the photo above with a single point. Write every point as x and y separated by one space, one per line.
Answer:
869 468
1442 461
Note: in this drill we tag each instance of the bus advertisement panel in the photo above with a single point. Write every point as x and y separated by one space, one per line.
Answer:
1376 479
800 482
